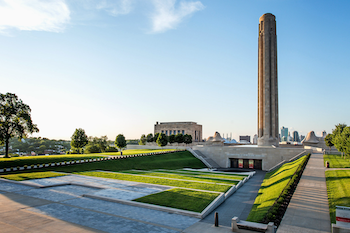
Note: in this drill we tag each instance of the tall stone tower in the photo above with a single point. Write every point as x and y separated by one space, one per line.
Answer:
267 82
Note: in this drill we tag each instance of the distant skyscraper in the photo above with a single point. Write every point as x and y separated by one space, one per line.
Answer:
296 136
302 137
284 134
324 133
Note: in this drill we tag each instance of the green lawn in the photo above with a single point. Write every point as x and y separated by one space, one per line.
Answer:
338 189
176 176
271 188
208 172
183 199
176 160
337 161
32 175
160 181
34 160
205 174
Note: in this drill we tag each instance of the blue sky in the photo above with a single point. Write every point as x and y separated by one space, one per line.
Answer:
119 66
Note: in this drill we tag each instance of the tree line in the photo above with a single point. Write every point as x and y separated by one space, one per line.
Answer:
162 140
340 138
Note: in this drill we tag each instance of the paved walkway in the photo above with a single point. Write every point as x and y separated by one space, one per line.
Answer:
239 204
63 209
308 211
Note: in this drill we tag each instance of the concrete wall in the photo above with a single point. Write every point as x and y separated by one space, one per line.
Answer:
270 156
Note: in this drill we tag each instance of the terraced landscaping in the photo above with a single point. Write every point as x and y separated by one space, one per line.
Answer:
194 190
209 186
337 161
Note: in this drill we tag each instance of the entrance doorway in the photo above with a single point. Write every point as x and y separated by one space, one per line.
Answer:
246 163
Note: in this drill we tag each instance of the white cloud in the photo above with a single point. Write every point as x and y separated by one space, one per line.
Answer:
34 15
167 17
120 7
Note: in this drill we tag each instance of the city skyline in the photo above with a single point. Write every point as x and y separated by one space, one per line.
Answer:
114 67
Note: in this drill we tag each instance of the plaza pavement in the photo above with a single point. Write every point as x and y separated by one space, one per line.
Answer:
308 210
63 209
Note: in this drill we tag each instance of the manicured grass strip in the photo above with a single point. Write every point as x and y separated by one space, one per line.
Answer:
174 160
338 189
34 160
32 175
175 176
219 173
160 181
271 188
183 199
337 161
207 174
136 151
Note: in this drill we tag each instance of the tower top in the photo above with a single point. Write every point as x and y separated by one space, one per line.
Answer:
267 16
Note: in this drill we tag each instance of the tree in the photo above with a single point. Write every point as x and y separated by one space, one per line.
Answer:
15 119
346 138
171 138
97 145
79 139
328 140
162 140
187 138
338 139
179 138
149 137
143 140
156 135
120 141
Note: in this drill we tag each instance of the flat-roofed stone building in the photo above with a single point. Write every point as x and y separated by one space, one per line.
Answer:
190 128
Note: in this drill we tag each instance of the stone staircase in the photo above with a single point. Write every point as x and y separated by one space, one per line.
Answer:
209 161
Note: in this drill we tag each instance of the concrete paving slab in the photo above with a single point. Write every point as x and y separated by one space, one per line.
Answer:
11 187
133 212
97 220
308 210
203 227
119 194
13 201
59 193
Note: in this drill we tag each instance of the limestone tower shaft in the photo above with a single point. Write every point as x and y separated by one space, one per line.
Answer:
267 82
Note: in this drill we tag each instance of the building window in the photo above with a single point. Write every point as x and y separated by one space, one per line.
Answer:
166 132
183 132
170 131
162 131
178 132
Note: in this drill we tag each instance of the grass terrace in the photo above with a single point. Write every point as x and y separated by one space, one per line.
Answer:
271 189
337 161
181 176
338 189
209 186
31 175
44 159
205 174
183 199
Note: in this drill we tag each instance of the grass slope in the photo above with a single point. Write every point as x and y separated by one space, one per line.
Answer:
205 174
160 181
337 161
338 189
32 175
175 160
175 176
183 199
34 160
271 188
